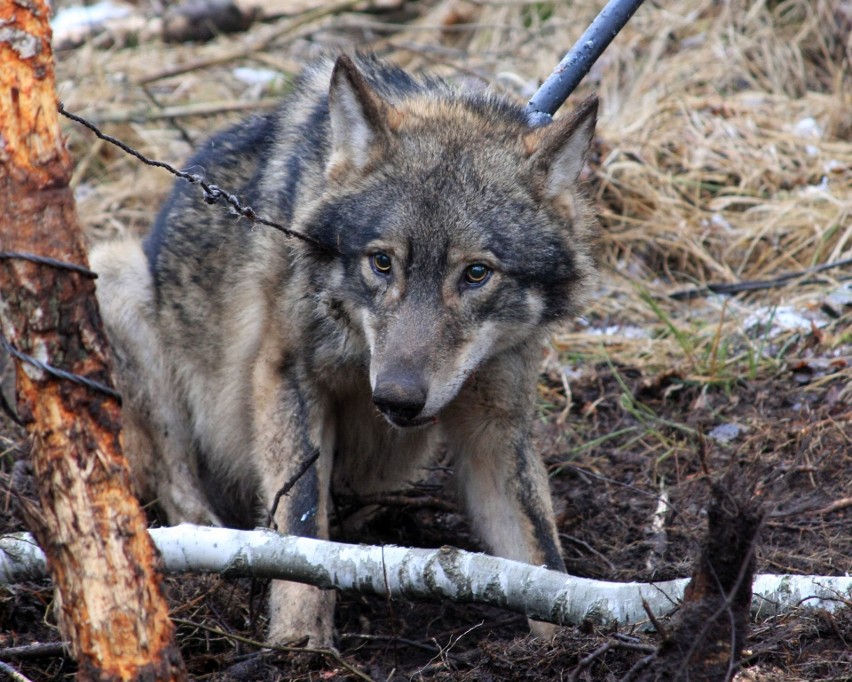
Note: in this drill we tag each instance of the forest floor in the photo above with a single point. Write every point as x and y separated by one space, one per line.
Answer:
609 470
723 155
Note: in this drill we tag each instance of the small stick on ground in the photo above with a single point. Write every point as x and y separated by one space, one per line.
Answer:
34 650
586 661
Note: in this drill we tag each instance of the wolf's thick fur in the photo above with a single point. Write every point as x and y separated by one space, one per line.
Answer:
454 235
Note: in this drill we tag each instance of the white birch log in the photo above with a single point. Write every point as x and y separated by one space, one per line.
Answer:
433 574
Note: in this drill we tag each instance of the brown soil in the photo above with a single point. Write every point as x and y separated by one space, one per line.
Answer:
795 451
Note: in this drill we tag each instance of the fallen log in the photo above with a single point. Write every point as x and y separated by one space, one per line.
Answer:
433 574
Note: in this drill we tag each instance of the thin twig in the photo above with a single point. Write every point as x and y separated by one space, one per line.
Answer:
326 653
445 57
12 673
395 639
288 486
591 550
757 284
658 626
586 661
444 652
400 499
155 100
34 650
837 505
638 667
57 372
182 111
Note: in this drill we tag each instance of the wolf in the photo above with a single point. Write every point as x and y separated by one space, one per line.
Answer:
443 237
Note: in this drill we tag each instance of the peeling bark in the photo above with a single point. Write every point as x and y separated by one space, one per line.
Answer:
102 561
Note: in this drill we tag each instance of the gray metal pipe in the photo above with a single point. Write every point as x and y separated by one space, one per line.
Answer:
580 58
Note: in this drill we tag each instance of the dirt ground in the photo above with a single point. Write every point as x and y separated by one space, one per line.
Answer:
704 172
794 447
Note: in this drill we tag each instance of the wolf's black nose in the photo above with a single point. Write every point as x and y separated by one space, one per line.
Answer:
400 397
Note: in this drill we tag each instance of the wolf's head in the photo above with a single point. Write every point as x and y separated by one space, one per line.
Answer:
460 230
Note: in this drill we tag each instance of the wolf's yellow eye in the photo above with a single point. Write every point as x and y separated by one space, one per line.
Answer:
476 274
381 263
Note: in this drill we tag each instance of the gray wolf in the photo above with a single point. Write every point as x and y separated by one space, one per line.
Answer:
450 237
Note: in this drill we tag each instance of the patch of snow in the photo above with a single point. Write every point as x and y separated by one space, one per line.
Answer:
71 18
808 128
840 297
782 319
821 188
572 373
626 331
835 166
251 76
725 433
718 220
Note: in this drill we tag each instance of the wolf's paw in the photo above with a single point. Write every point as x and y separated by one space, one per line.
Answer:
297 610
183 505
545 631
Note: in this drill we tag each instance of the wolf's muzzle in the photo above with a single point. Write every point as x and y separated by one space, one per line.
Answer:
400 396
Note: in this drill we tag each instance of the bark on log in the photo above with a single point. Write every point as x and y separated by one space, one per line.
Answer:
437 574
103 563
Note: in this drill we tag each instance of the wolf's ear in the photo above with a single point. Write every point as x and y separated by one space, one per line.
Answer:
358 119
559 149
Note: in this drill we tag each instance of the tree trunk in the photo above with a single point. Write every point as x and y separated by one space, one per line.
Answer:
109 593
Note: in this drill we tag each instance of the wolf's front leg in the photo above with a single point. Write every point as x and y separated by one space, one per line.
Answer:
288 433
502 480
